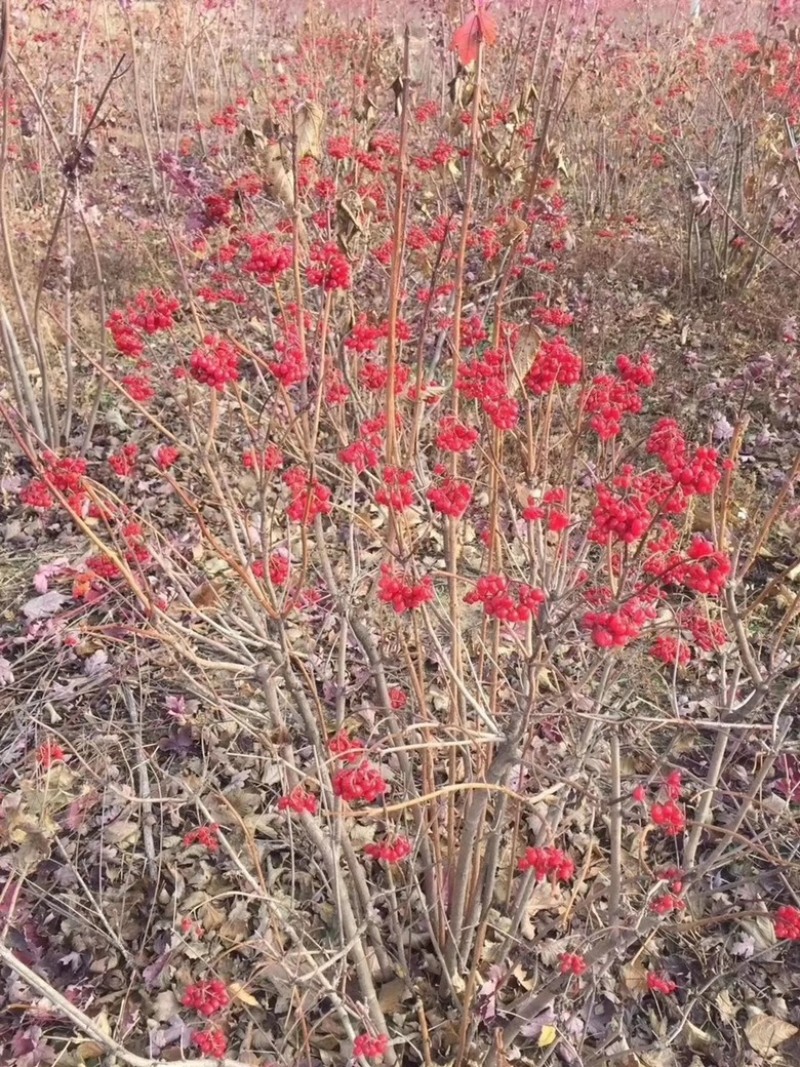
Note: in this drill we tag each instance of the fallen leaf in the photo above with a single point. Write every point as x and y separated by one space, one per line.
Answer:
766 1032
122 832
91 1050
165 1005
726 1007
6 674
96 664
309 119
698 1040
41 580
547 1036
205 597
238 992
538 1024
42 607
634 975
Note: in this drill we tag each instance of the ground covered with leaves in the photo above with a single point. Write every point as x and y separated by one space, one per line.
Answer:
398 555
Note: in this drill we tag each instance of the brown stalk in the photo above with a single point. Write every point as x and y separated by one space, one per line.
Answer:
398 247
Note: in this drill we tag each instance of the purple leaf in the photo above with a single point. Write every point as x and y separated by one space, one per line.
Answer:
42 607
537 1024
41 580
6 674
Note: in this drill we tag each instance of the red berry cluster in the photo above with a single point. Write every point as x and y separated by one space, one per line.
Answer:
280 568
215 364
207 998
136 551
299 800
123 463
572 963
555 364
271 459
708 635
671 900
127 340
363 454
166 456
339 147
138 387
374 377
558 318
619 518
506 601
403 593
455 436
390 851
329 268
269 260
787 923
207 836
671 650
292 367
49 753
37 496
547 862
150 312
612 397
371 1048
659 982
608 401
473 331
706 570
309 498
395 491
103 567
451 498
698 473
673 785
667 903
211 1042
363 782
217 210
226 119
365 337
501 410
398 698
550 509
65 476
484 380
669 816
617 628
346 748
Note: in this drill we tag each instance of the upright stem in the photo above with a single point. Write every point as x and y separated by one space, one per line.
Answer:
398 243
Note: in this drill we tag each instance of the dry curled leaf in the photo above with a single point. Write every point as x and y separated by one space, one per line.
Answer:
309 120
42 607
766 1032
634 975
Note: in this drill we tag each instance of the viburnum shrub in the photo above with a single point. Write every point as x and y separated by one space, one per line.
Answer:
486 684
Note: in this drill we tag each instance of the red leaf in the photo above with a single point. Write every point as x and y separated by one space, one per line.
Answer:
79 809
466 40
479 26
